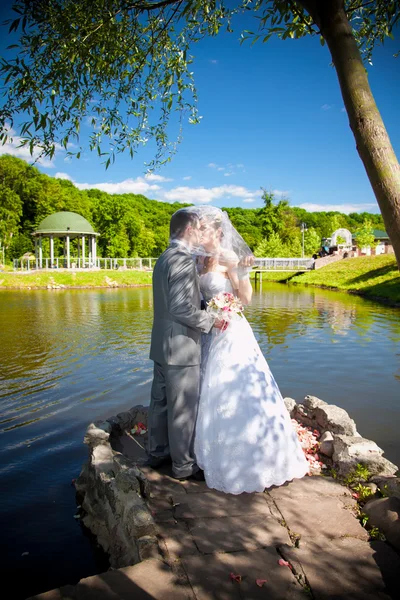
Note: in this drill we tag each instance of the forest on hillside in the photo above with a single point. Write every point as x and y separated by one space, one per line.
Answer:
132 225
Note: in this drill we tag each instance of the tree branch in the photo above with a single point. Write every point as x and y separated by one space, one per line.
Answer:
301 17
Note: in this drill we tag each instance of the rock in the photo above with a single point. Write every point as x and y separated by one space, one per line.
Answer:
389 486
372 486
384 514
124 420
333 418
348 451
326 444
102 459
290 404
96 435
312 402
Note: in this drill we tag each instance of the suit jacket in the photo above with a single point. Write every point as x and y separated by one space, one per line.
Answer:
178 318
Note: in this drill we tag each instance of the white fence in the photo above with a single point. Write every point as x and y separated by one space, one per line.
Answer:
147 264
284 264
142 264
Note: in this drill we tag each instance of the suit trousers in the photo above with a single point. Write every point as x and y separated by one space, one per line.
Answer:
172 416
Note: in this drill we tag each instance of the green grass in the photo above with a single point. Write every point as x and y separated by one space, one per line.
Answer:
279 276
73 279
373 276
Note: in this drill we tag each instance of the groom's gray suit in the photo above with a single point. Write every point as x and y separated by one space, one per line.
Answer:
176 350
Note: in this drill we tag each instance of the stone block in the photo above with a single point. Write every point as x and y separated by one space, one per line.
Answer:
95 435
326 444
210 577
217 504
326 518
348 451
384 513
312 402
333 418
347 568
389 486
148 579
290 404
310 487
177 538
232 534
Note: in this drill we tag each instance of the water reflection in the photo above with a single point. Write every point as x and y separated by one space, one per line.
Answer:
68 357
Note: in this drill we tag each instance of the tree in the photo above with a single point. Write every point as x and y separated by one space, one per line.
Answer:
125 65
10 213
312 241
271 247
365 235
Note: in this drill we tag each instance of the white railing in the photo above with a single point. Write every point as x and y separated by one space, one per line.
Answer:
142 264
147 264
284 264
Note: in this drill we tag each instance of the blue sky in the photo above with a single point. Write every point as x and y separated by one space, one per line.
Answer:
272 117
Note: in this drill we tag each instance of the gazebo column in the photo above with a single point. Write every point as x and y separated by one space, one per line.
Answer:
94 250
40 253
51 252
36 254
68 256
90 250
78 247
83 251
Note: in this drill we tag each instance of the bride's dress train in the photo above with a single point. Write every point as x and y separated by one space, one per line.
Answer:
245 441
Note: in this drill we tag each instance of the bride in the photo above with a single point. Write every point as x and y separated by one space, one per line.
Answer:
244 441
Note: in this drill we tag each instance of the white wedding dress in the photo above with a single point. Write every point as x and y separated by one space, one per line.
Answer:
245 441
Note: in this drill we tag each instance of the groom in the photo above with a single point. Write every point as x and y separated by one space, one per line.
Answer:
176 349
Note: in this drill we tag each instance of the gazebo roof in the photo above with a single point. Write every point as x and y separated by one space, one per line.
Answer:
64 223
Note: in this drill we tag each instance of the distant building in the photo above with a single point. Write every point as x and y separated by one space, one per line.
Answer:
330 245
382 241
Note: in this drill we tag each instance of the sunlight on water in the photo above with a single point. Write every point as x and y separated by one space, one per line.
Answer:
69 357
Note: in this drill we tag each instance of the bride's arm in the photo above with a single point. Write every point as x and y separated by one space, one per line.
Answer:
242 287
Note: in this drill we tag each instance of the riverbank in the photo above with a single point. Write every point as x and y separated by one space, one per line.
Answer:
74 279
315 537
375 277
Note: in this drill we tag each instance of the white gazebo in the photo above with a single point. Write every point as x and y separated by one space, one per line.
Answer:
66 225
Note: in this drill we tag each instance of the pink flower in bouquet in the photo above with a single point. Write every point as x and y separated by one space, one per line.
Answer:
225 306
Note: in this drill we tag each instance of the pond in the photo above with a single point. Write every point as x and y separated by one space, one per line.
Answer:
69 357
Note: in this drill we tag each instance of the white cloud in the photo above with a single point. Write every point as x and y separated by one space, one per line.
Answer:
128 186
154 177
220 169
63 176
343 208
228 174
326 106
187 178
213 61
212 165
202 195
11 147
248 200
281 192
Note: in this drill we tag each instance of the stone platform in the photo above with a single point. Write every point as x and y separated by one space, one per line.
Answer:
301 540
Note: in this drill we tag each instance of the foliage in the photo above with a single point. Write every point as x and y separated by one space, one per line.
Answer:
125 67
132 225
375 276
312 241
363 492
365 236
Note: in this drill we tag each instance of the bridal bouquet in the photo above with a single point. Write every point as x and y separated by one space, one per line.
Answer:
225 306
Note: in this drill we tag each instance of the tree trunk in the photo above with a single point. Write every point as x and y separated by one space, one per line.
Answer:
372 140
